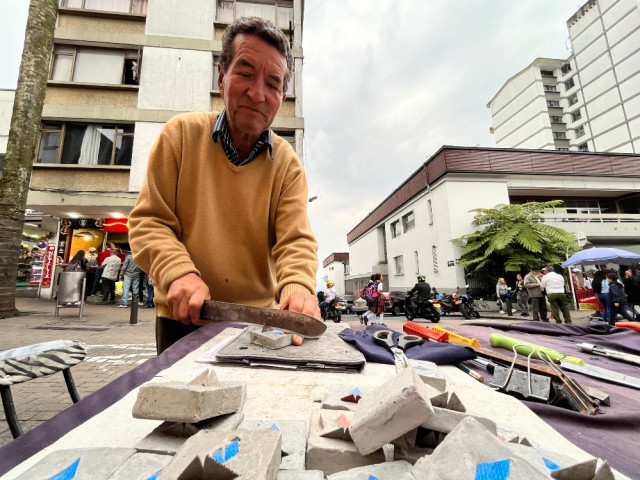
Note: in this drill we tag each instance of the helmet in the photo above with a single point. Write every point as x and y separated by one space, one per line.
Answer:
330 283
422 278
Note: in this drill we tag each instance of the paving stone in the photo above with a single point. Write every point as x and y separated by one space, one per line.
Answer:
300 475
332 455
241 454
140 466
273 339
444 420
560 466
294 440
391 410
168 437
381 471
85 463
333 398
430 374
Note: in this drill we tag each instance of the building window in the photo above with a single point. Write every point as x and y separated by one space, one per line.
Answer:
573 99
123 6
279 12
415 254
547 73
575 116
399 265
429 212
434 255
82 144
569 84
395 229
583 147
550 88
553 103
559 135
408 221
556 119
95 65
566 68
579 131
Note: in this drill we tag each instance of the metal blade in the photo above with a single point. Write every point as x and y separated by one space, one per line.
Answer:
603 374
304 325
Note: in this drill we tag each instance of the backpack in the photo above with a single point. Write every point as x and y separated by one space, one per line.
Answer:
369 291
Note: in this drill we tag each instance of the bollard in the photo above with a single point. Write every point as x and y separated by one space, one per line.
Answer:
133 316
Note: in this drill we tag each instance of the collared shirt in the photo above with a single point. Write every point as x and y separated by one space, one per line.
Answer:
552 283
221 132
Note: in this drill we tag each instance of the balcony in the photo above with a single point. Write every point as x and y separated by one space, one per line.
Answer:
597 226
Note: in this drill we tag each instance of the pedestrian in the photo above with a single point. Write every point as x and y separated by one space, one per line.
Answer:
587 280
77 263
601 287
522 296
377 308
149 303
503 292
110 276
225 179
632 289
366 316
553 284
102 256
617 300
130 273
538 303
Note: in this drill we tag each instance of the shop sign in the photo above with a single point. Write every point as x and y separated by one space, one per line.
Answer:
113 225
49 265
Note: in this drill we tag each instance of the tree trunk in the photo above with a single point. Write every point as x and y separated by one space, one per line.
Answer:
23 135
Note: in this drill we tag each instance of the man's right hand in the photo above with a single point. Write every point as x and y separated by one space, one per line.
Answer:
186 296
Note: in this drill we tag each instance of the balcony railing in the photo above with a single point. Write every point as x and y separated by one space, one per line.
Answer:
564 217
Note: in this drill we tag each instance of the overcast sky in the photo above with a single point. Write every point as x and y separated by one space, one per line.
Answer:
386 83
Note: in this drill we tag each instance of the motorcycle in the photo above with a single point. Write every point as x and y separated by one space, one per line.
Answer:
333 311
427 309
455 303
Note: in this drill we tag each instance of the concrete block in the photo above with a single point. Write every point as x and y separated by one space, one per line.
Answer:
300 475
439 399
381 471
250 454
335 424
411 455
294 439
79 464
406 441
560 466
168 437
430 374
604 472
192 402
391 410
444 421
273 339
331 455
454 403
333 398
141 466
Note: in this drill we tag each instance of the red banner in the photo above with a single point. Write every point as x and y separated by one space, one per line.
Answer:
116 224
48 265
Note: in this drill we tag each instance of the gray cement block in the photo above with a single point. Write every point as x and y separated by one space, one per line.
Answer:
444 421
604 472
430 374
439 399
381 471
87 463
294 440
250 454
140 466
564 467
332 455
335 424
333 398
454 403
411 455
391 410
273 339
179 402
168 437
300 475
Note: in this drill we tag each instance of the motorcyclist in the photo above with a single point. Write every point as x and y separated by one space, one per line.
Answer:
422 289
329 294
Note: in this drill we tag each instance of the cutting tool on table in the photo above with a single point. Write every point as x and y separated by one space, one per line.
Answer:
299 323
405 342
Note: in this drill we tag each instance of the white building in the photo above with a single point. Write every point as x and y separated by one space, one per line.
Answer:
411 231
336 268
588 102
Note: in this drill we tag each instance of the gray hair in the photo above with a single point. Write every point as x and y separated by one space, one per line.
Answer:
550 268
265 31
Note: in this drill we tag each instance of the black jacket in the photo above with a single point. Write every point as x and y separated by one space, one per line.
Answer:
423 289
616 294
632 287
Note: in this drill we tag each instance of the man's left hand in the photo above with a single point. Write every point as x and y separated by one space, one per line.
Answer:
301 302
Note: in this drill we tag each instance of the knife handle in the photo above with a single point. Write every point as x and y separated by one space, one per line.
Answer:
503 341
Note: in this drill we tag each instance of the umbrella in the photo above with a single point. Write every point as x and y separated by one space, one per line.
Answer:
602 255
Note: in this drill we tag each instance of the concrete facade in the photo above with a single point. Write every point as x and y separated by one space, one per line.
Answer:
591 100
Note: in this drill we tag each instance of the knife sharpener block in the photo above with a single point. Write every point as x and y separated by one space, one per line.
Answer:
273 339
180 402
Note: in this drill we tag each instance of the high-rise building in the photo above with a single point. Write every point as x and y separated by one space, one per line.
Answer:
120 70
587 102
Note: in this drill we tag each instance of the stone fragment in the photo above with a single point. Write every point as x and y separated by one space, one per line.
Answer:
294 439
141 466
333 399
250 454
168 437
604 472
406 441
430 374
79 464
439 399
208 378
191 403
273 339
444 421
454 403
380 471
558 465
335 424
300 475
331 455
411 455
391 410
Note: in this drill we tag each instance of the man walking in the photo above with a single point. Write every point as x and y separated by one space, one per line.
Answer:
538 304
131 279
553 284
110 276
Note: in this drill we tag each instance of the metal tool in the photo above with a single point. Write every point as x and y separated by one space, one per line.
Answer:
525 385
603 374
304 325
508 343
606 352
501 359
405 342
579 400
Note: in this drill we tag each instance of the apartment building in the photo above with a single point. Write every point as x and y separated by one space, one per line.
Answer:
411 231
336 268
120 70
587 102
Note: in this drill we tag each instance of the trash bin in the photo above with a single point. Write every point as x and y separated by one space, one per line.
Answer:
71 287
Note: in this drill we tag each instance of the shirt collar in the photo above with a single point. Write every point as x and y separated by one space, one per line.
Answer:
221 134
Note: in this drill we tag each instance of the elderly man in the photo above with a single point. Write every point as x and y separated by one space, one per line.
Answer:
538 303
222 212
553 284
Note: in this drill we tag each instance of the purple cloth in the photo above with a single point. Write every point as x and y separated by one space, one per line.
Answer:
613 436
439 353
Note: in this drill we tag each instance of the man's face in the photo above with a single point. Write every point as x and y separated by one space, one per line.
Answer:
252 86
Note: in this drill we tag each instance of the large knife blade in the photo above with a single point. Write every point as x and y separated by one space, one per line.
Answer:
304 325
602 374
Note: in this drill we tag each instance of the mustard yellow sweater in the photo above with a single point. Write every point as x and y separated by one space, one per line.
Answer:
244 230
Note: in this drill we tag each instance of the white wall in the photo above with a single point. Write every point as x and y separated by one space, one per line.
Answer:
145 136
6 111
172 18
335 271
363 253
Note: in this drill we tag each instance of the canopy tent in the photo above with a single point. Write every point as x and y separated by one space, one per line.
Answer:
602 255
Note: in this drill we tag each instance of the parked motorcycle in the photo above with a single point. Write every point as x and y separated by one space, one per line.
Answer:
333 311
456 303
427 309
